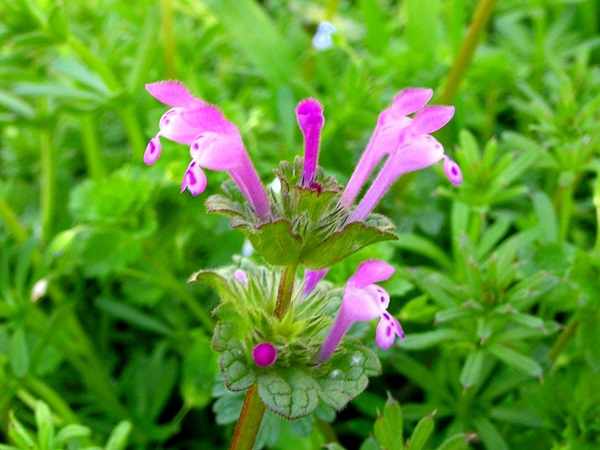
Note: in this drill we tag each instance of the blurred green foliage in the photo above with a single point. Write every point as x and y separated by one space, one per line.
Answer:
101 340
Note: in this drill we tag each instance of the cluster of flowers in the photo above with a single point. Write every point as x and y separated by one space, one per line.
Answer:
402 136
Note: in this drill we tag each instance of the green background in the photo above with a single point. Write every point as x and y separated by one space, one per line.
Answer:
497 281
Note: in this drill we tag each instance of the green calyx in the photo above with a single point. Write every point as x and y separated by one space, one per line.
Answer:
307 226
295 385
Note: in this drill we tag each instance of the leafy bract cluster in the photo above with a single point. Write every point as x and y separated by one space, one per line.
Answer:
307 225
297 384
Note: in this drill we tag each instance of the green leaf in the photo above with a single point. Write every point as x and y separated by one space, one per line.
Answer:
276 242
420 341
344 243
490 435
334 446
589 336
422 432
18 433
227 408
133 316
492 236
472 369
19 353
119 437
370 444
456 442
290 393
70 433
423 246
388 426
18 106
43 420
348 376
237 374
199 372
516 360
546 215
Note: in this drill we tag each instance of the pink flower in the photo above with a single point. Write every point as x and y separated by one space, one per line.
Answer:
364 301
215 143
394 133
406 143
309 114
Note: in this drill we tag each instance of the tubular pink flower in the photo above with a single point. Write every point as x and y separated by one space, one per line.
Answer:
264 354
419 153
215 143
309 114
386 137
364 301
312 278
408 147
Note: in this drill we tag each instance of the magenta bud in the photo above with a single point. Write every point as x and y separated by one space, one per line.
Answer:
264 354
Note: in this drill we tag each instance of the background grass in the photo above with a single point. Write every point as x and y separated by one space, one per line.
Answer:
498 284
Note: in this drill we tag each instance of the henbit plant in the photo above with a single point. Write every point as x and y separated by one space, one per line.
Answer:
276 337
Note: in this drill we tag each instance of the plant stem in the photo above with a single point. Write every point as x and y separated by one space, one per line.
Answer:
48 184
248 424
327 431
331 9
481 16
91 149
253 409
284 293
563 339
596 200
166 25
94 62
52 398
565 198
11 221
133 130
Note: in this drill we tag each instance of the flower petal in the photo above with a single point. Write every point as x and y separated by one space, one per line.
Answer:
372 271
364 304
309 114
216 151
194 179
153 150
172 93
410 100
174 126
388 329
419 153
431 118
453 172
